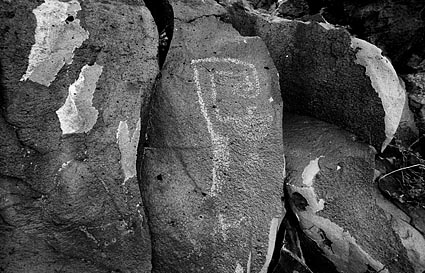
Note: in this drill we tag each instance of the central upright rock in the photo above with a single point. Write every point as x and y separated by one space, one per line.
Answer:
213 165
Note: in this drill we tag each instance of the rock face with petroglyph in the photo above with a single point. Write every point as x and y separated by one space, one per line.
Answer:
76 76
330 181
213 165
330 75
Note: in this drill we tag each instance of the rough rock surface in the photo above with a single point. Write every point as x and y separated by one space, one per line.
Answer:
70 200
213 165
415 85
330 180
292 9
398 27
326 73
189 10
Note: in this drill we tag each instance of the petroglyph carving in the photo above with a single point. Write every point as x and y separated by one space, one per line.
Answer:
233 106
225 225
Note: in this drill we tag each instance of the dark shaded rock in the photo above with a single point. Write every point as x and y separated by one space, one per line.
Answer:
415 86
326 73
213 165
392 187
292 9
163 15
70 200
288 255
189 10
345 215
398 27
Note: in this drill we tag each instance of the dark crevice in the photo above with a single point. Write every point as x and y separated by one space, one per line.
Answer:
146 117
294 250
383 23
219 16
162 13
3 115
279 239
287 255
4 102
24 186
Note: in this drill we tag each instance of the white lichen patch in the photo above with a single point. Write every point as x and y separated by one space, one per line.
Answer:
64 165
307 189
326 25
57 35
77 115
239 268
274 225
310 172
128 148
386 83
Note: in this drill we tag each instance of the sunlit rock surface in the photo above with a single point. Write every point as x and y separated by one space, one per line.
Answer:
213 164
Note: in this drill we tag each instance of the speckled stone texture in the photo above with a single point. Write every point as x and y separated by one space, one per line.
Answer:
415 85
66 203
330 180
395 26
213 166
319 73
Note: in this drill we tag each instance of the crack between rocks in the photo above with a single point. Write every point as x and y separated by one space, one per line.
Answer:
200 17
84 259
20 180
291 238
163 15
15 128
289 219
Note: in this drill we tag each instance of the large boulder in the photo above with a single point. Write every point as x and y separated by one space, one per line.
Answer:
332 191
328 74
213 163
75 78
